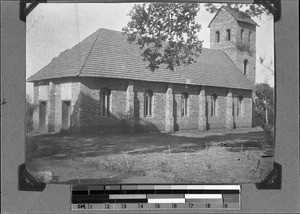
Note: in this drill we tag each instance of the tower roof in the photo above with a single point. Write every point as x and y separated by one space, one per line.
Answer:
108 54
239 16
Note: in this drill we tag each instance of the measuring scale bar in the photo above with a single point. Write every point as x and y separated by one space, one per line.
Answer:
152 197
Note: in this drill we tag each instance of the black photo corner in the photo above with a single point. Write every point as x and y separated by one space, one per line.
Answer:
28 182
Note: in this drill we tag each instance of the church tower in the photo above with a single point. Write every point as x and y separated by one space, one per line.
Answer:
234 32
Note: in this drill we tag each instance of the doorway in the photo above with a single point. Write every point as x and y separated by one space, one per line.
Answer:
42 114
65 114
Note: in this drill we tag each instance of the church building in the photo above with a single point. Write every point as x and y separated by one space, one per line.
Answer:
102 84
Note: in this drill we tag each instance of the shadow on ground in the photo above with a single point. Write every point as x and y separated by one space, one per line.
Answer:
60 153
62 145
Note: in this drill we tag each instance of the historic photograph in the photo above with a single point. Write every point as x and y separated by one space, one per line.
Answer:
149 93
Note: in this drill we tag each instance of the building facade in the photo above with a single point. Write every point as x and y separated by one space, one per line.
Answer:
107 87
235 33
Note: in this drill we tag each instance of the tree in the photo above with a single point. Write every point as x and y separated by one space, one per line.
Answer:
30 107
264 106
253 10
166 32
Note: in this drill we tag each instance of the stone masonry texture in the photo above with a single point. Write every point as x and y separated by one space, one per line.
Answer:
85 106
221 23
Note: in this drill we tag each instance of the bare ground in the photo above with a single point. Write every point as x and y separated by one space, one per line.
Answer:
217 156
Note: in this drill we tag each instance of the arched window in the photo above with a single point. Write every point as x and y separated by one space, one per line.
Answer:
228 34
184 104
217 36
245 66
206 107
249 37
242 34
213 104
104 102
148 103
239 106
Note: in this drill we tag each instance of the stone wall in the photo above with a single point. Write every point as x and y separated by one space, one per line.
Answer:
232 48
217 120
127 106
155 122
189 121
37 98
245 118
54 104
221 23
90 118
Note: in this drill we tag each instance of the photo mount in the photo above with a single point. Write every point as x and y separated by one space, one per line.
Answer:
24 10
27 182
273 180
273 6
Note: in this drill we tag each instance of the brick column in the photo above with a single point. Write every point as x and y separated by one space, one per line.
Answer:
51 107
36 110
130 120
58 105
75 106
229 117
169 121
202 110
252 108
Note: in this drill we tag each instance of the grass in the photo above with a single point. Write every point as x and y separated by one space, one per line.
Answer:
214 164
184 157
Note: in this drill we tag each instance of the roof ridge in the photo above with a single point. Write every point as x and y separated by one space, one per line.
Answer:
87 56
103 28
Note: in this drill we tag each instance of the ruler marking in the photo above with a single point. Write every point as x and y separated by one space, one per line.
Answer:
131 196
129 187
161 191
131 201
203 196
166 200
153 196
205 200
146 187
95 188
80 192
138 197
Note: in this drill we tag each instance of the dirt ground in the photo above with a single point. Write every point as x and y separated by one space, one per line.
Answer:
215 156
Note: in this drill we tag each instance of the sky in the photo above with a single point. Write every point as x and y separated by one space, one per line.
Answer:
52 28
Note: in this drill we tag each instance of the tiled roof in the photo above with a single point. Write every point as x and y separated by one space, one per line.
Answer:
239 16
107 53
